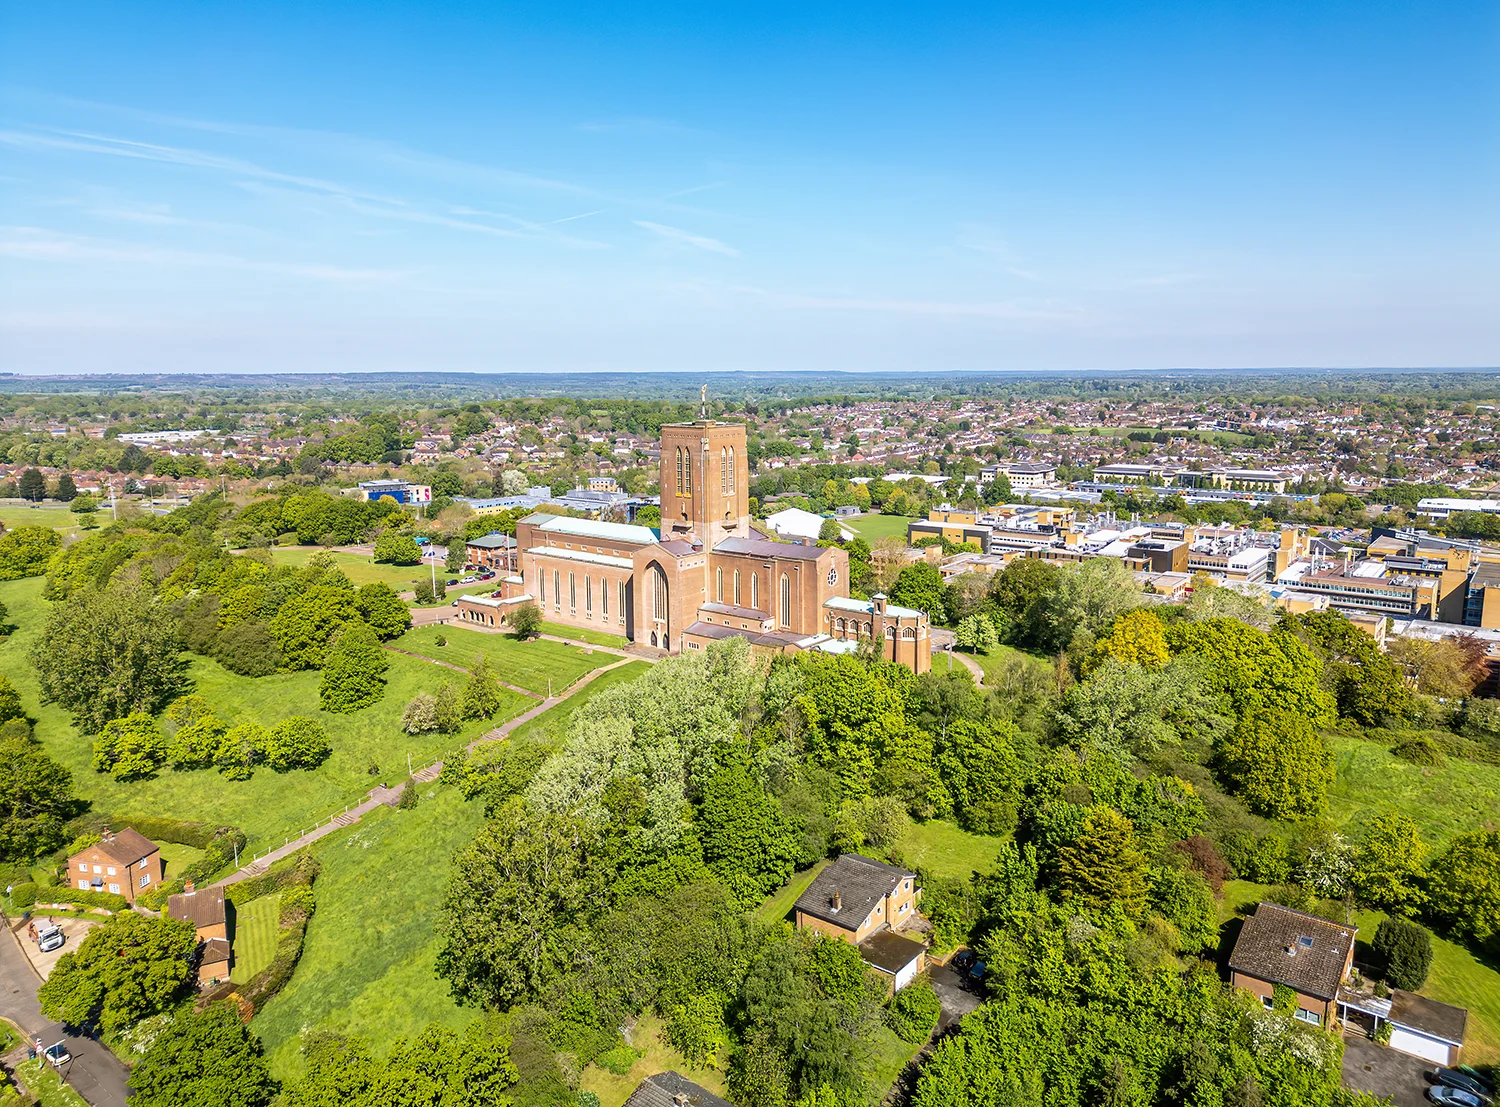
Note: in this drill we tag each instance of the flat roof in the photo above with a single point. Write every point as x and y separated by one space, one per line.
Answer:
593 528
889 952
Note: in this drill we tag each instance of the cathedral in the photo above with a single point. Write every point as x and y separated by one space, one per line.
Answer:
705 574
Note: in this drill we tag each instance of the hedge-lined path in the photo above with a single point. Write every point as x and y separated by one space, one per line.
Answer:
383 795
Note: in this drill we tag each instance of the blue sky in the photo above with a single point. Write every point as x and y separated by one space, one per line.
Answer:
485 187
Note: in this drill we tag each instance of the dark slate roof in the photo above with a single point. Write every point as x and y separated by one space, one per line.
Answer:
201 907
1440 1020
715 631
760 547
665 1088
860 882
128 846
770 638
493 542
889 951
1289 947
680 547
735 612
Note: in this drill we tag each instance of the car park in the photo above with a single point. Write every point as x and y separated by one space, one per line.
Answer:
1461 1081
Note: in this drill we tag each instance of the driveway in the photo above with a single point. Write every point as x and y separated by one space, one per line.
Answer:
75 930
951 994
95 1072
1385 1072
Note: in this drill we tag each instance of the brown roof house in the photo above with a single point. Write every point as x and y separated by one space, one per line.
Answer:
204 908
670 1089
1309 955
127 864
866 903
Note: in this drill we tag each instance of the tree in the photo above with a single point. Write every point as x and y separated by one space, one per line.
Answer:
1463 885
526 620
458 553
10 699
380 607
248 649
1137 638
131 748
397 549
976 633
1404 951
1388 865
126 970
297 742
420 715
106 655
1274 670
979 765
481 694
1129 711
196 743
241 749
32 486
1102 865
921 586
83 504
66 490
308 622
354 674
36 798
913 1011
1185 900
1085 599
206 1058
830 531
747 842
1277 764
26 551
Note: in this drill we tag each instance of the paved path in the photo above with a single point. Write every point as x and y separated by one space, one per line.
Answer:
389 796
95 1073
970 664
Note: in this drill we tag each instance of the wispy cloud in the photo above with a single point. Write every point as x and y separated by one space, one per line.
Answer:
1013 309
687 238
695 188
42 244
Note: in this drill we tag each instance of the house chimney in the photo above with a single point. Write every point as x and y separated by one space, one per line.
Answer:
680 1100
837 902
188 887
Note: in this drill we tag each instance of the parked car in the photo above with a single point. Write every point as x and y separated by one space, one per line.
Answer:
976 972
57 1054
1453 1097
468 580
51 938
962 960
1452 1078
1479 1078
452 584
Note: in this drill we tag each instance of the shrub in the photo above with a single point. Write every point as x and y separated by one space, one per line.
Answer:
408 798
297 743
297 902
1205 859
588 1099
1420 750
1404 951
131 748
241 749
248 649
526 620
914 1011
22 896
619 1060
82 897
440 641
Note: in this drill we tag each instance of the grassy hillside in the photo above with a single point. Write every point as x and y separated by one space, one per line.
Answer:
1444 801
528 665
366 967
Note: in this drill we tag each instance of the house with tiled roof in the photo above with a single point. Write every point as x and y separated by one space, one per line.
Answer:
1308 954
868 904
125 864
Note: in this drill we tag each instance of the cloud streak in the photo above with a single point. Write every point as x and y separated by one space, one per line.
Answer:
687 238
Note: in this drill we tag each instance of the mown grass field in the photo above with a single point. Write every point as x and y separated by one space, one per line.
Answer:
269 806
367 965
1457 976
176 857
658 1056
531 665
872 528
16 513
256 927
593 637
1444 801
360 568
554 721
778 905
946 850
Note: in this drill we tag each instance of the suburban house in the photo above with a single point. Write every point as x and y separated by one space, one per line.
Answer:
126 864
670 1089
1309 955
204 908
493 551
1420 1026
866 903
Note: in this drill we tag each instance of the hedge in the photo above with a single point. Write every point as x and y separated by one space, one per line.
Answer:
160 829
301 869
83 897
295 879
22 896
914 1011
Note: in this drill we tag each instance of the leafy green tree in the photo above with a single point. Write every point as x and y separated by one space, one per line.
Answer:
380 607
1368 685
36 798
1102 865
248 648
747 841
354 673
104 655
10 700
206 1058
26 551
696 1029
196 743
241 749
526 620
420 715
1404 950
913 1011
1463 885
1129 711
1277 764
337 1071
481 694
131 748
297 742
458 553
977 633
1137 638
397 549
308 621
32 486
982 772
1388 865
66 490
126 970
1084 600
83 504
1275 670
921 586
1186 901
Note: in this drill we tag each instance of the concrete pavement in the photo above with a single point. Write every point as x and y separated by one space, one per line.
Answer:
95 1073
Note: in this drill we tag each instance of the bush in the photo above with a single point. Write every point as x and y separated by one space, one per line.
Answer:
22 896
1420 750
588 1099
914 1011
526 620
619 1060
297 743
1205 859
408 798
83 897
132 748
297 903
1404 950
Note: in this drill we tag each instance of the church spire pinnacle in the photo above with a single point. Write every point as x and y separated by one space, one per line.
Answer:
703 407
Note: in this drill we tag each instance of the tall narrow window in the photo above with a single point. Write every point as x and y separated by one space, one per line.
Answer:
736 588
731 468
687 471
755 591
723 470
622 601
572 592
541 586
588 595
604 597
718 585
786 600
556 588
658 596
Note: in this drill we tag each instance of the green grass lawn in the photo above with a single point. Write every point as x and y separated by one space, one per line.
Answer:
658 1056
554 721
883 1056
256 928
528 665
1445 801
367 965
1002 658
872 528
10 1037
593 637
15 513
779 904
945 850
1456 975
270 806
42 1081
360 568
176 857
